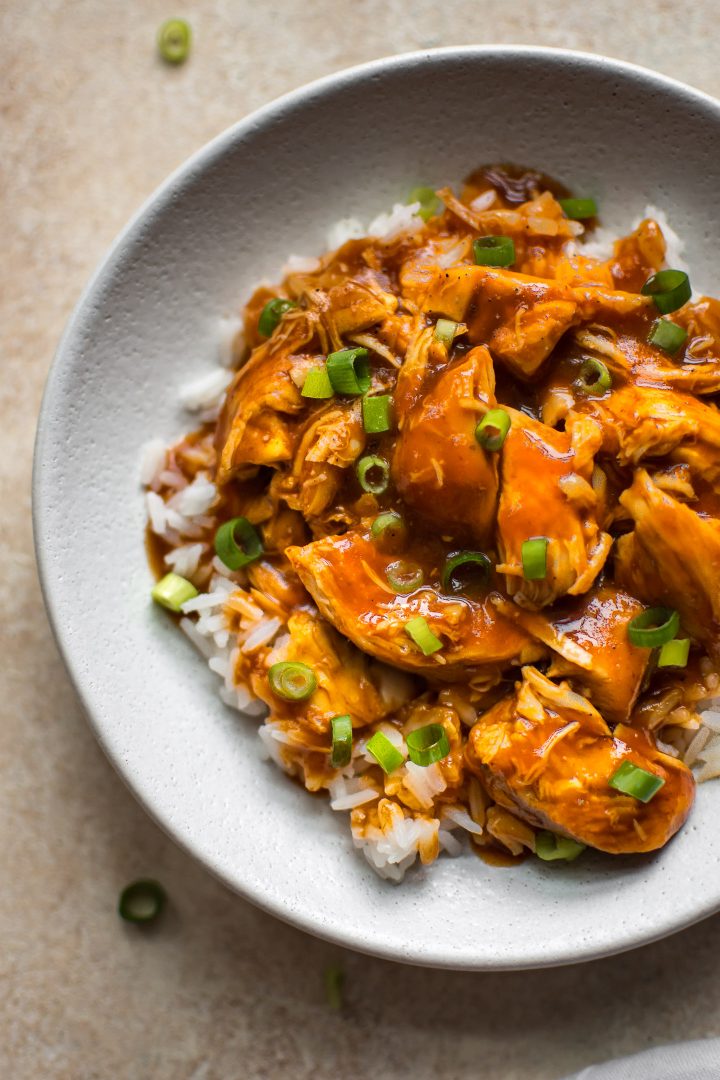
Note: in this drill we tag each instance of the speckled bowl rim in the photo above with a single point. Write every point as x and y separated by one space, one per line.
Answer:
669 920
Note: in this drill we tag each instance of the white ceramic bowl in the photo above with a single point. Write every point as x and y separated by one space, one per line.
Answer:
351 144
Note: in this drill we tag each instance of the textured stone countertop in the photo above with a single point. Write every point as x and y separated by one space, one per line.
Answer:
91 122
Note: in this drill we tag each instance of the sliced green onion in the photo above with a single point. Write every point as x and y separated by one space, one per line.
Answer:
418 630
369 465
494 251
445 331
632 780
317 384
534 558
670 289
430 205
492 430
141 901
653 627
404 577
272 313
594 377
341 752
476 560
173 591
389 531
174 37
674 653
579 209
428 744
292 681
349 371
549 847
237 543
334 980
667 335
376 413
385 753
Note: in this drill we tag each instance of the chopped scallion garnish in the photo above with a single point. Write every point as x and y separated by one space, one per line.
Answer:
349 371
141 901
653 627
172 591
476 562
272 313
492 430
404 577
376 413
373 474
494 251
670 289
237 543
174 38
534 558
292 681
445 331
667 335
630 779
341 752
550 846
674 653
418 631
427 744
334 981
594 377
389 531
430 205
579 209
385 753
317 384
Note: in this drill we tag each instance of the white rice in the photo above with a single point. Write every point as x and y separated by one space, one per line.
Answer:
184 560
205 391
230 342
152 460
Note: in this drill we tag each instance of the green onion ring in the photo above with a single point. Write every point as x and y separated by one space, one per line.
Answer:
476 559
492 430
172 591
674 653
630 779
341 752
389 531
534 558
141 901
272 313
494 251
430 205
653 627
667 335
317 384
292 681
670 289
418 631
549 847
349 371
579 209
237 543
445 331
385 753
404 577
427 744
594 377
376 413
365 466
173 40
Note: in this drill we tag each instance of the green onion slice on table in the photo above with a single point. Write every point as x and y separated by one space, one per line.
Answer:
174 39
334 981
385 753
549 847
317 384
376 413
373 474
494 251
669 289
292 681
341 752
172 591
534 558
427 745
349 371
579 209
478 569
418 631
404 577
272 313
141 901
594 377
237 543
630 779
492 430
654 626
667 335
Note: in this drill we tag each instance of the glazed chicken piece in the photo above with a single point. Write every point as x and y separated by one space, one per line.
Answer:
672 557
637 256
546 492
630 358
438 467
590 640
346 576
546 753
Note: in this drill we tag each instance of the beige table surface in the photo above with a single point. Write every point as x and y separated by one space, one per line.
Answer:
90 123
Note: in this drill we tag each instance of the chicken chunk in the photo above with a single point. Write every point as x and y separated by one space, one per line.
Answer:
438 467
630 358
346 576
546 492
672 557
545 753
590 639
